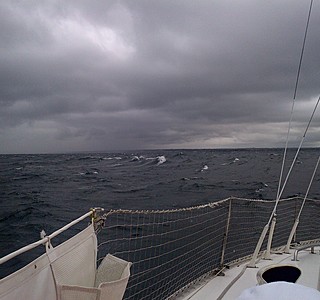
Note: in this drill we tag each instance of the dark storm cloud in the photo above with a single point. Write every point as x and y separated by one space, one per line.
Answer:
94 75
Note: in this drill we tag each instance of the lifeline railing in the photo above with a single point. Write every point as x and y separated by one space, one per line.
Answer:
45 240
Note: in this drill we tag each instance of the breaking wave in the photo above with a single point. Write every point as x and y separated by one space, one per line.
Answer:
161 160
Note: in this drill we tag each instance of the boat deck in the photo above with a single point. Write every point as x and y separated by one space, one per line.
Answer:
213 288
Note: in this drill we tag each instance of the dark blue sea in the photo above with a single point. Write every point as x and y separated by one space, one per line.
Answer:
47 191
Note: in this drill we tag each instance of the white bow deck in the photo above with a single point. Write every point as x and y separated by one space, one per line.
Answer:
213 288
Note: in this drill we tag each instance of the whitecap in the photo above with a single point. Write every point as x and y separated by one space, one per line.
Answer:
230 162
151 158
135 158
116 165
204 168
161 159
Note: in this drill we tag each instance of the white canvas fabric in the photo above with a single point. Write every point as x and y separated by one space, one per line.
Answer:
111 280
74 261
68 272
78 293
34 281
112 277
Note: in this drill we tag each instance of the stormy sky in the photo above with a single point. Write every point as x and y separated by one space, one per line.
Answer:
148 74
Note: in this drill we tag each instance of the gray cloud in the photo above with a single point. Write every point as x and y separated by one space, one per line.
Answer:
79 75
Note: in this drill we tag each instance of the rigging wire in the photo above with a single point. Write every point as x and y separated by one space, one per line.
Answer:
310 183
279 192
295 157
293 100
298 150
297 220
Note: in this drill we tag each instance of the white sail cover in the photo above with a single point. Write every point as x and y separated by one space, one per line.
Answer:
68 272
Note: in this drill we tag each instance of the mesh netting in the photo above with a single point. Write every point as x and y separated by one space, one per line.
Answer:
171 248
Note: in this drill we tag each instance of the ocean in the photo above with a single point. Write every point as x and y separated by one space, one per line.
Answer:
47 191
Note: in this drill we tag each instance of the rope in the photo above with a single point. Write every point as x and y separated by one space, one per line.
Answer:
164 211
184 209
178 210
232 282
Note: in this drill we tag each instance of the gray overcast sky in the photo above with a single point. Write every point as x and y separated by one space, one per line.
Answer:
146 74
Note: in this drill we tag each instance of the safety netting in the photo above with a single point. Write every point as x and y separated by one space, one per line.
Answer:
172 249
